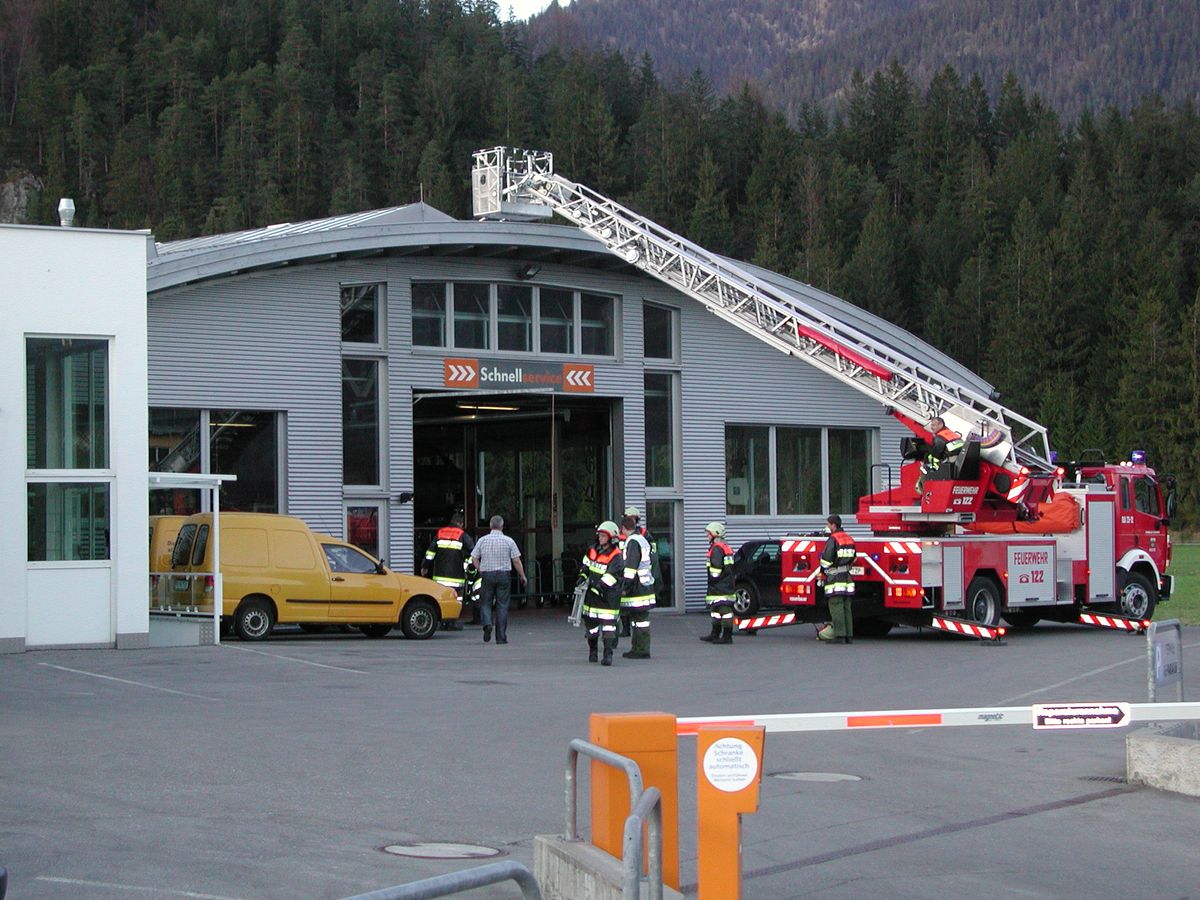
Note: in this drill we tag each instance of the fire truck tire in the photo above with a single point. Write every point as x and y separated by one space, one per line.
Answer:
1021 620
745 601
1138 596
983 601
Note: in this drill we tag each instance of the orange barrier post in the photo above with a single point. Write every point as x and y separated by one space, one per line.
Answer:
649 740
728 773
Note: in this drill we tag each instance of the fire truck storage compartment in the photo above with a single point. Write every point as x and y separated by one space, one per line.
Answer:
1032 574
1101 532
942 564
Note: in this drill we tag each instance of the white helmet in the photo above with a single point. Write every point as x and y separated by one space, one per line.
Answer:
716 529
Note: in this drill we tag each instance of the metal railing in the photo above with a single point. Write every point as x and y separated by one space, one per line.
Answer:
457 882
645 806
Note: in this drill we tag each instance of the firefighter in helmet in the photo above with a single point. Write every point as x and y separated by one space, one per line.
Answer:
655 567
946 445
448 560
602 571
721 591
836 561
637 586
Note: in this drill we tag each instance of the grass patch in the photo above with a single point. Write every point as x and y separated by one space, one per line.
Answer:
1184 604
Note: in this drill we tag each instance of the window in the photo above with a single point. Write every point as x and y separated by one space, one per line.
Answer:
514 318
429 315
246 444
596 325
790 471
747 470
1145 495
660 429
658 334
472 315
360 421
360 313
66 390
175 447
363 527
798 470
556 311
347 559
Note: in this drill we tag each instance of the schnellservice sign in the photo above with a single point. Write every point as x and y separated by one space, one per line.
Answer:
506 374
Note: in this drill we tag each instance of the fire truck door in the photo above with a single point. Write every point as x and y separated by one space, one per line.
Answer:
1101 536
953 594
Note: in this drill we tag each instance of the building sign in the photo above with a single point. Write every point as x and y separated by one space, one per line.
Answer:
507 374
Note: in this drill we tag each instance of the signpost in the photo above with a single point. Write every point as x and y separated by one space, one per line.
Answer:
1164 658
1081 715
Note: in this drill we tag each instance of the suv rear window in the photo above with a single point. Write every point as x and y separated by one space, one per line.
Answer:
183 545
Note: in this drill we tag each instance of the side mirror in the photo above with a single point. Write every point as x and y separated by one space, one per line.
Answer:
381 567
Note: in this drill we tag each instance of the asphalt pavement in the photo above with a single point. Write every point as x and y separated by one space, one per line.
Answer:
282 769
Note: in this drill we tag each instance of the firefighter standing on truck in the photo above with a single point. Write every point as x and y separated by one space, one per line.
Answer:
721 591
947 444
603 568
447 560
637 587
836 561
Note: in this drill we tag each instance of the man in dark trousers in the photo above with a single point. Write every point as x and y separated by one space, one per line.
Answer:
602 571
495 556
836 561
946 444
721 590
447 560
637 587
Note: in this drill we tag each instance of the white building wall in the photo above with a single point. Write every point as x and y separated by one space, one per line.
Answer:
80 283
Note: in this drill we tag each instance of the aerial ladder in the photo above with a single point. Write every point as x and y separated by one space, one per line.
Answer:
521 185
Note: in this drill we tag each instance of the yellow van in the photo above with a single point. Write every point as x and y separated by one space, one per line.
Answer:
277 571
163 531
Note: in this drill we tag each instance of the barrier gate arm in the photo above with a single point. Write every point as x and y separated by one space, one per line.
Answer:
521 184
782 723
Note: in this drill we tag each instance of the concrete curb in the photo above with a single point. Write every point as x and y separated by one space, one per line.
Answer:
1167 758
578 870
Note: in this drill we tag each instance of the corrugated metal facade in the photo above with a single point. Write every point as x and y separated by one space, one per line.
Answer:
271 340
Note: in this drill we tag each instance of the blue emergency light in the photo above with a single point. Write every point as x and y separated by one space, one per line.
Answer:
1138 457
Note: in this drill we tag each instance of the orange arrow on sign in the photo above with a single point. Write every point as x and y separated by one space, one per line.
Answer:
578 378
460 373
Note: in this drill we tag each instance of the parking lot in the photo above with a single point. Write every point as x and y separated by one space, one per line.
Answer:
281 769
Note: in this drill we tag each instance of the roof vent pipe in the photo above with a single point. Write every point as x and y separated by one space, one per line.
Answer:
66 212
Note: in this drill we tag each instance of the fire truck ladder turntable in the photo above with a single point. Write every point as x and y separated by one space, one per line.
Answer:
521 185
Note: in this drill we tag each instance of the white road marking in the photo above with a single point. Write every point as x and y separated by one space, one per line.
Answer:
295 660
151 687
132 887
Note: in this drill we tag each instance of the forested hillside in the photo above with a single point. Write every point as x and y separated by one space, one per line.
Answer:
1075 55
1059 259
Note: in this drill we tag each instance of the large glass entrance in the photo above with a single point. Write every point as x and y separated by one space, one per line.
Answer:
543 462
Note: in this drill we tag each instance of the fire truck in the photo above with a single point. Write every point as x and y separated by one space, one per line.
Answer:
1000 531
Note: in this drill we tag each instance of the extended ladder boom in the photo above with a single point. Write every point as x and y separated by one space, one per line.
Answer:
521 184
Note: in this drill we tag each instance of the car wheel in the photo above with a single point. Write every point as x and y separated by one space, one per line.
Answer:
375 631
312 628
419 620
254 620
1138 596
983 602
745 601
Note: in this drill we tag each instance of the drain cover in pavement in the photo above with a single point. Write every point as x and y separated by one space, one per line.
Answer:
816 776
441 851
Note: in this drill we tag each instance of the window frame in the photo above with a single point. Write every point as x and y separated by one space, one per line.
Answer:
380 315
673 315
381 423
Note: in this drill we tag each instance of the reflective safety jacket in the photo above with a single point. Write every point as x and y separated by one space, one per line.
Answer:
836 560
602 569
449 555
637 584
946 444
720 573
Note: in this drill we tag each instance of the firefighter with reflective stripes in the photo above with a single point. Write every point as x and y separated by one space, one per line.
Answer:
947 444
836 561
448 560
602 571
721 590
637 586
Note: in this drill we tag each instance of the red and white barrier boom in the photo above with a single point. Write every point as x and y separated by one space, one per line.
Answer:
756 622
1120 623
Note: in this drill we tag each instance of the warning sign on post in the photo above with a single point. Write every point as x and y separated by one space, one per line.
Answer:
730 765
1081 715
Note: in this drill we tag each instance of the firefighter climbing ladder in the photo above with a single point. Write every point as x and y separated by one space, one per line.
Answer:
521 185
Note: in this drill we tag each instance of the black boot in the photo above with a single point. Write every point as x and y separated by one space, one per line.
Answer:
610 644
714 634
593 656
726 634
625 629
641 645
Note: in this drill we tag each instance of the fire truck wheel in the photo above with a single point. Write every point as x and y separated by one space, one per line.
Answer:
1022 620
983 602
1138 596
745 602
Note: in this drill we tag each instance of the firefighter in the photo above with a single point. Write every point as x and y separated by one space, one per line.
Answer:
836 561
603 568
448 561
637 586
655 569
946 445
721 592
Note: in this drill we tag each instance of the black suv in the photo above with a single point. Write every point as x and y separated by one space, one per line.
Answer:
757 572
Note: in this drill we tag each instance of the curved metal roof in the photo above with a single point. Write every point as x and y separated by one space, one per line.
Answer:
420 230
